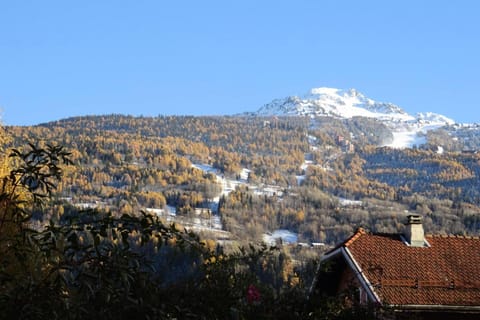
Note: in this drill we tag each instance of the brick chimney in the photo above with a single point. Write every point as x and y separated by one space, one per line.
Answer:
414 231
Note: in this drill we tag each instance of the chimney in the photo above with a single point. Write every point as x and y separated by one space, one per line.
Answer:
414 231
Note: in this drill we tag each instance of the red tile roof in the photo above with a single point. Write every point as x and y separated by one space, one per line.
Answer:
447 272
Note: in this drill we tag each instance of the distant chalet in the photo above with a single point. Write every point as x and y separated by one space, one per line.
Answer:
427 277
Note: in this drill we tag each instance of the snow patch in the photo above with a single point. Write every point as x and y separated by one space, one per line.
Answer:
301 179
168 211
244 174
285 235
345 202
406 139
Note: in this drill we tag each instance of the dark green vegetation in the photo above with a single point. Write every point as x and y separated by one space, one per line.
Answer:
94 265
119 261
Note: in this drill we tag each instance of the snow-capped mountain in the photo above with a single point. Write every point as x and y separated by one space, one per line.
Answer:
334 102
345 104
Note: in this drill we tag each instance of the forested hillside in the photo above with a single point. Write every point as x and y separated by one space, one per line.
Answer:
330 176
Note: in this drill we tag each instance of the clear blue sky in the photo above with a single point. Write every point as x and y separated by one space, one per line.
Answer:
67 58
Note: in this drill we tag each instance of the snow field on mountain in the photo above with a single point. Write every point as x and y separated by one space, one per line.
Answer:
407 130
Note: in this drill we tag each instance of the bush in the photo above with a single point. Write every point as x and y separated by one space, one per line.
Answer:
94 265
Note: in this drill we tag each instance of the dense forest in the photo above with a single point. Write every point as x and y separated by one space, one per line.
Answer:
103 264
329 174
83 199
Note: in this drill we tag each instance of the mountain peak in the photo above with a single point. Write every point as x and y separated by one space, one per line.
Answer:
340 103
406 129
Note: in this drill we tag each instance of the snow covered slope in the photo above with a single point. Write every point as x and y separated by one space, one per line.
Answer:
407 130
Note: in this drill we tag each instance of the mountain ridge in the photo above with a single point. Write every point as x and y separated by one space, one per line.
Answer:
342 103
407 130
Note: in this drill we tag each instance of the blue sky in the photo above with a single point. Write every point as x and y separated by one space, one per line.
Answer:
67 58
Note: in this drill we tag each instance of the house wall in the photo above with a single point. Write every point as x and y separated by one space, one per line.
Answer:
350 285
337 278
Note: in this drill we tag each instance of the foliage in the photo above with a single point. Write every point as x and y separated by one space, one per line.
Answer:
94 264
126 164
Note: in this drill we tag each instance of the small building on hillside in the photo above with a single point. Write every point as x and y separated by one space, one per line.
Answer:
413 275
346 145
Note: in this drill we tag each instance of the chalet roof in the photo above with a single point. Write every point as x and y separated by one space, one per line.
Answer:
446 272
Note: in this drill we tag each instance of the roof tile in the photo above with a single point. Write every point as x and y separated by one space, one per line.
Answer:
447 272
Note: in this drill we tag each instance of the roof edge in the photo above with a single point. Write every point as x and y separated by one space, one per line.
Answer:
360 275
433 307
360 232
452 236
332 253
347 255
